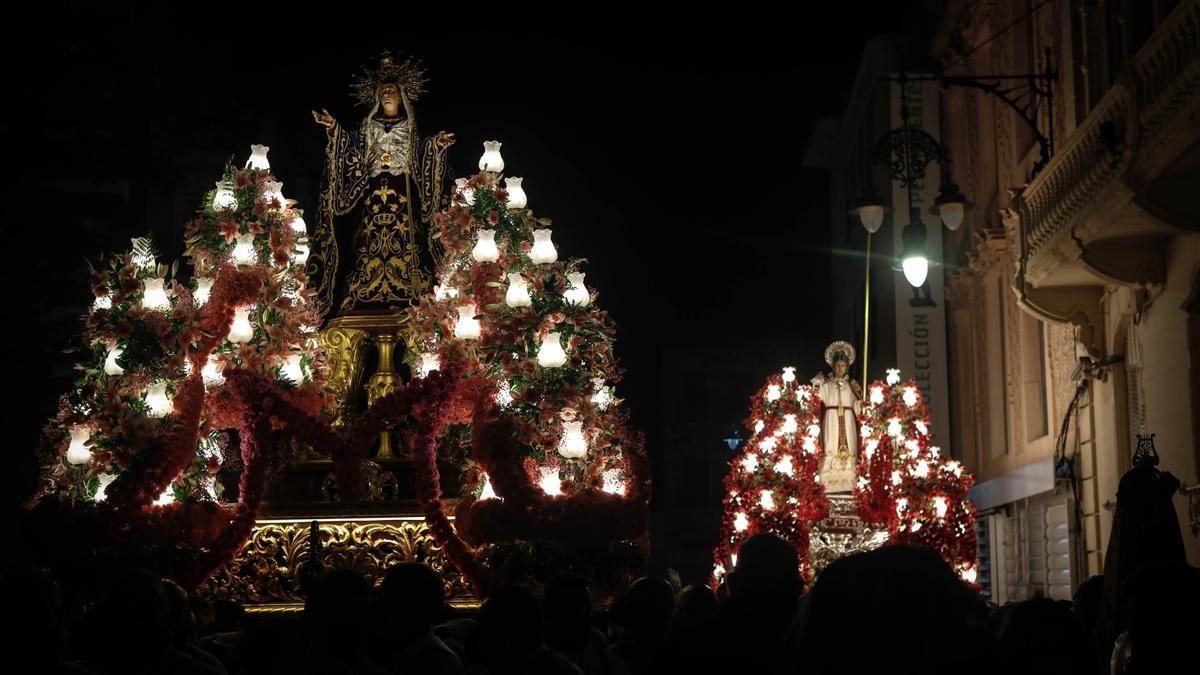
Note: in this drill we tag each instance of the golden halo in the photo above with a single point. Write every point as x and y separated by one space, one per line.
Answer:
409 74
839 346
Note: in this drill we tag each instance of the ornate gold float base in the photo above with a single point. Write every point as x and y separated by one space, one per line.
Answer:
841 534
265 574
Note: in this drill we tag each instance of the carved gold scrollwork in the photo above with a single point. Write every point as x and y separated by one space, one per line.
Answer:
344 350
266 571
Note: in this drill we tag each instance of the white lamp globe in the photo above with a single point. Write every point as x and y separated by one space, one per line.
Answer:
491 161
576 293
242 330
916 269
258 158
154 296
550 352
517 294
77 451
485 247
516 194
467 327
543 251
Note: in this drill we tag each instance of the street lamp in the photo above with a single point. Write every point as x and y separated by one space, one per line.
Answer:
908 151
912 255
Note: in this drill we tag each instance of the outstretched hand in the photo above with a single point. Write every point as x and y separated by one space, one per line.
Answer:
443 140
324 118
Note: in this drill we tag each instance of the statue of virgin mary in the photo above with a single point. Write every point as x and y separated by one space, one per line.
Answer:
841 400
373 249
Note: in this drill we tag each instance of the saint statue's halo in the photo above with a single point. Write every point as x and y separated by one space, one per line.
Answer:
840 346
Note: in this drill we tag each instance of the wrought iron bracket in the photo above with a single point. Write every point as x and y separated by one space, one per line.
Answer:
1027 95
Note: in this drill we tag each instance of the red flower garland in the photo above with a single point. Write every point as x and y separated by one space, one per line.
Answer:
524 512
429 398
152 470
797 498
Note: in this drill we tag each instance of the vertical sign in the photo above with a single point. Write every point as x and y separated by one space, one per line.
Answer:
921 330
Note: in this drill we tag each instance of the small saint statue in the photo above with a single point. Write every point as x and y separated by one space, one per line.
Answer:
840 399
373 249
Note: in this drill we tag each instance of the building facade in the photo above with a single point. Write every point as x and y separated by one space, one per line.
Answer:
1072 289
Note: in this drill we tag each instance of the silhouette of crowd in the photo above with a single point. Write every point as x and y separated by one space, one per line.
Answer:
892 610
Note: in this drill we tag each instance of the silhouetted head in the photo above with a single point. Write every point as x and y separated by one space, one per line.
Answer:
510 627
1040 635
414 595
644 612
767 568
228 616
179 613
921 616
568 607
338 603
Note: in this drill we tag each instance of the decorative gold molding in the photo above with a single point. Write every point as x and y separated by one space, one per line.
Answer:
265 573
344 353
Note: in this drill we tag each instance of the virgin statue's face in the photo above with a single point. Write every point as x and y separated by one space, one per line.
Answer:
839 368
389 99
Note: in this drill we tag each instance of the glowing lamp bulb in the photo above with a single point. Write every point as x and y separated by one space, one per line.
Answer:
573 445
759 425
750 463
243 251
952 214
203 290
467 327
485 247
154 296
922 428
429 363
784 466
550 483
922 469
442 291
298 225
896 479
242 330
258 158
916 526
273 194
893 376
111 367
789 375
292 370
916 269
901 504
767 444
863 483
893 428
105 479
940 506
969 574
773 392
504 395
102 302
767 500
954 467
300 252
550 353
467 194
491 161
77 451
809 445
814 430
157 401
576 293
516 194
613 484
223 198
871 216
543 251
876 395
789 424
871 446
601 398
167 497
517 294
487 492
740 522
910 396
212 371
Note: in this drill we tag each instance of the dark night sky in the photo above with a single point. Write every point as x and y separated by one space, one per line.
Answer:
668 154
